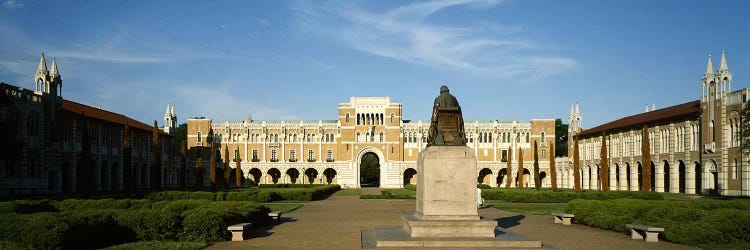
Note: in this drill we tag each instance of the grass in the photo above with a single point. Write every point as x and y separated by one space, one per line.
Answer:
718 246
394 193
162 245
348 191
526 208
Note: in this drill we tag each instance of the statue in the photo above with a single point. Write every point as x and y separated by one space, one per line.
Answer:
447 124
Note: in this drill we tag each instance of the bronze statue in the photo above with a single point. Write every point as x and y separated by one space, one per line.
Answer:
447 124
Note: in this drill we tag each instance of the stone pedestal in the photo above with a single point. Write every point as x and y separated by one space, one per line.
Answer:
446 195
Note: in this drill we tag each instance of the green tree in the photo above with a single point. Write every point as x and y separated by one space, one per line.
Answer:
180 140
155 158
552 168
212 164
561 138
604 163
646 161
370 168
537 180
745 127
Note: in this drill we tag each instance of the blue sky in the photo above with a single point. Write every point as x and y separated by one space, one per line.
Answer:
507 60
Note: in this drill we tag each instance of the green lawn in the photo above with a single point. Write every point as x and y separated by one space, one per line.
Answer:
162 245
348 191
526 208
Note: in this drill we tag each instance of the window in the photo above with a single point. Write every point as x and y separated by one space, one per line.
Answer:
310 153
381 136
357 136
236 154
504 156
255 155
273 155
199 136
544 153
292 155
329 155
392 116
347 118
543 139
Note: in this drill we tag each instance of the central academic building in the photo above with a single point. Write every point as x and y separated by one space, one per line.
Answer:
330 151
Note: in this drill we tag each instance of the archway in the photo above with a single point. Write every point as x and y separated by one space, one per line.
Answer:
681 177
526 178
484 176
542 175
653 177
274 174
711 178
293 174
667 176
310 175
369 169
410 175
501 177
627 177
255 175
640 176
617 176
330 175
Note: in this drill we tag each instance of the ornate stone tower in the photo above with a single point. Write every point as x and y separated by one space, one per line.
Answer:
170 120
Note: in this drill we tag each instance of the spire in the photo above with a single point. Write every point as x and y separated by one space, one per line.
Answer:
723 65
167 112
647 108
578 111
171 111
54 71
42 63
653 106
709 67
572 112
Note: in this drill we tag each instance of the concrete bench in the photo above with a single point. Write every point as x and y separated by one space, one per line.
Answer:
275 215
563 218
639 231
238 231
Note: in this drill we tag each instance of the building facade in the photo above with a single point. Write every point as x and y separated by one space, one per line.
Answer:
330 151
52 145
694 146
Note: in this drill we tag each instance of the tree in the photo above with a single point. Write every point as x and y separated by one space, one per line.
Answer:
238 173
604 164
199 172
745 127
155 158
646 161
212 166
537 180
226 165
370 169
552 168
576 166
561 138
520 168
180 140
508 169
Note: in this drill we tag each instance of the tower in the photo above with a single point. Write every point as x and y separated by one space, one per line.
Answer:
170 120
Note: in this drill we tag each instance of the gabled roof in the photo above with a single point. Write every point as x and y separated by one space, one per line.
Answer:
104 115
668 113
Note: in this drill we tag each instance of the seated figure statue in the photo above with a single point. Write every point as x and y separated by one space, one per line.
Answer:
447 124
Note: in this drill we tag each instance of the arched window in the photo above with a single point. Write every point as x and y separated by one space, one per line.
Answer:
527 137
357 136
392 116
544 153
490 140
543 139
199 136
347 117
381 137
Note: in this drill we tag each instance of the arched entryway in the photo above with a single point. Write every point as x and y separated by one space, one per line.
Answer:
526 178
484 176
370 173
255 175
667 175
542 176
310 175
274 175
330 175
711 178
293 175
617 177
501 176
653 177
628 180
410 176
640 176
681 177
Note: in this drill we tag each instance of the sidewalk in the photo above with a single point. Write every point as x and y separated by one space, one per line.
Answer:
336 223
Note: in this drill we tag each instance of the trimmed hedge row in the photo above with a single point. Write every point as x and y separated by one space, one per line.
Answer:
94 228
28 207
533 196
686 222
291 185
316 192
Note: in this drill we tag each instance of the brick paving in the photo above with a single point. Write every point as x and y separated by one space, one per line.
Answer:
336 223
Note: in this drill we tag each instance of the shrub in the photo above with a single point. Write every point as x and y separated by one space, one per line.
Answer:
533 196
146 224
94 229
483 186
28 207
410 186
179 206
291 185
257 196
76 204
209 223
36 231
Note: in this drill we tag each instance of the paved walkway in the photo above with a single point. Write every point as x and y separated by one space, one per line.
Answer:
336 223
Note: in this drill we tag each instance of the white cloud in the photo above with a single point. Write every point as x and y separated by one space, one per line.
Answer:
110 56
405 33
264 22
12 4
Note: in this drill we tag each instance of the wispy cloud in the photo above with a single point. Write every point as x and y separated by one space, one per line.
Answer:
225 102
110 57
12 4
405 33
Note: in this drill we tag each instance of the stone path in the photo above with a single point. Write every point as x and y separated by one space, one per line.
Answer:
336 223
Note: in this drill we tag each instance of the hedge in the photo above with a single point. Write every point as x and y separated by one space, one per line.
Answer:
209 223
291 185
685 222
76 204
28 207
310 193
533 196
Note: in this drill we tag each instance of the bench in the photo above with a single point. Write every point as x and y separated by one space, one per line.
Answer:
238 231
639 231
275 215
563 218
